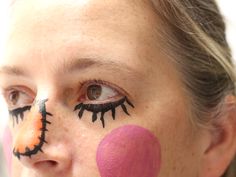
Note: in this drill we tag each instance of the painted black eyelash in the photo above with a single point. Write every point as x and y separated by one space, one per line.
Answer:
19 113
103 108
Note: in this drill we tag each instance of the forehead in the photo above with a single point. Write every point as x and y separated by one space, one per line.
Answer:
43 27
49 18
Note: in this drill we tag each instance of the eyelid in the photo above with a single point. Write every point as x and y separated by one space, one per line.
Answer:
23 90
19 88
17 82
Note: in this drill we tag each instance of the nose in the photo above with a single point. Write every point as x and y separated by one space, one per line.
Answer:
33 146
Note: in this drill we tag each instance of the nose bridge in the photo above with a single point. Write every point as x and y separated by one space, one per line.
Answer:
31 137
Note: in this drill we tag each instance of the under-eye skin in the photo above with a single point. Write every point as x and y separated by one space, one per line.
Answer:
18 113
99 109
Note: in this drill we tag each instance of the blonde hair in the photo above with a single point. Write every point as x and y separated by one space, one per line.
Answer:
194 33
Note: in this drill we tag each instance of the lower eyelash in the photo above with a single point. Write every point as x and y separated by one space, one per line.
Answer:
19 113
103 108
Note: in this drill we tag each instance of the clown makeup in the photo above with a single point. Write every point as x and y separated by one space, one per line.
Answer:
130 151
31 136
94 61
100 92
19 112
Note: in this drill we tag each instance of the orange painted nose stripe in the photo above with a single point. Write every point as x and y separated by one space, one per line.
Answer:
32 134
29 133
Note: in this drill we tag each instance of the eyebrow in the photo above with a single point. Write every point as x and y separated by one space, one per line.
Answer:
79 65
12 70
88 63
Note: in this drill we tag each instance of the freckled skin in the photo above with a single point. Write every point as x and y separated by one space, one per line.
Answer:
46 36
129 151
31 136
29 133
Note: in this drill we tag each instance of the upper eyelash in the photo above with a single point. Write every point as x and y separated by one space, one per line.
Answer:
103 108
19 112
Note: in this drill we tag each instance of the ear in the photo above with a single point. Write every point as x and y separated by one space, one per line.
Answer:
222 147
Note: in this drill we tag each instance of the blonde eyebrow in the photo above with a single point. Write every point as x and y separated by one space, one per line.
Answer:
88 63
80 64
12 70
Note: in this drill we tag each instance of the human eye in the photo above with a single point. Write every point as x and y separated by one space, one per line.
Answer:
100 97
19 101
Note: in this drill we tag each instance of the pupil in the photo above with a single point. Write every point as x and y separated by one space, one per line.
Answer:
94 92
14 97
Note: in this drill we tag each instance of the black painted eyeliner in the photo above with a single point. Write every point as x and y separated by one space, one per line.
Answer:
103 108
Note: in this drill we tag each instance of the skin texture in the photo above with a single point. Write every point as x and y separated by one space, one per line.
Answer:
54 46
129 151
7 146
51 36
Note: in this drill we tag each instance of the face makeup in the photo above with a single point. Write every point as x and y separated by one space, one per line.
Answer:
129 151
32 135
18 113
103 108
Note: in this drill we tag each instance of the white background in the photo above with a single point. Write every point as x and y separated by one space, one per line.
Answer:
228 9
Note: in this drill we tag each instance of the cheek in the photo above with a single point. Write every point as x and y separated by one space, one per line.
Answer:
130 151
7 147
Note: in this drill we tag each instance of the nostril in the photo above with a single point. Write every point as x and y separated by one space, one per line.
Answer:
52 163
46 164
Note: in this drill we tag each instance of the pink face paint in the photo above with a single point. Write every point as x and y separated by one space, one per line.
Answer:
7 147
129 151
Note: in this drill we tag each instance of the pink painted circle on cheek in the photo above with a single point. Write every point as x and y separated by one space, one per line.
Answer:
129 151
7 147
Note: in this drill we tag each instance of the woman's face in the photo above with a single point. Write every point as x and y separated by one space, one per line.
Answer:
90 93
